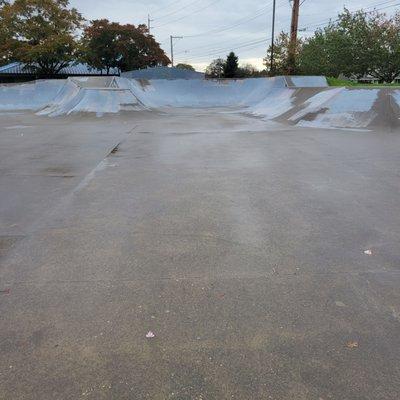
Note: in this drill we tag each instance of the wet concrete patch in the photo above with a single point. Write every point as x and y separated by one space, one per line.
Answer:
386 110
312 116
243 253
144 83
58 172
263 338
7 242
18 127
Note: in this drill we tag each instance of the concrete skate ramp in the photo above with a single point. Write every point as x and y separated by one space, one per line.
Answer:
338 107
306 81
308 102
91 95
300 101
207 93
95 81
163 73
29 96
347 108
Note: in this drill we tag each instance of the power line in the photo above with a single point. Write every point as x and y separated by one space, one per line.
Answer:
256 43
241 21
218 51
188 15
177 11
263 11
329 20
223 47
171 4
223 53
207 47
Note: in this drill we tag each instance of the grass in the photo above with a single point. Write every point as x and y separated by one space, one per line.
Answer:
342 82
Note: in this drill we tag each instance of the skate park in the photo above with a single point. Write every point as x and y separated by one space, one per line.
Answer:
251 226
297 101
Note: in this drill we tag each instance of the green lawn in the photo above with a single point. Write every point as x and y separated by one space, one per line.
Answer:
342 82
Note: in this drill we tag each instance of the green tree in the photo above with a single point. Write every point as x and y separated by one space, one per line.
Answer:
357 44
5 53
385 54
39 33
247 71
216 68
353 31
327 53
231 65
185 66
281 55
107 45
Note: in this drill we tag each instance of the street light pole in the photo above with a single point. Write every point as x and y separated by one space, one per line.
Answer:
272 66
172 47
149 21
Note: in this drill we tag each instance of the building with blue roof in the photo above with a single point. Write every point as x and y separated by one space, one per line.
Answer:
17 72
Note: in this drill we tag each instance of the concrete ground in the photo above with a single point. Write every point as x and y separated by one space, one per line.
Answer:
239 243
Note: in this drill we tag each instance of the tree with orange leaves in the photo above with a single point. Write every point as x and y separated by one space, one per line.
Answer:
39 33
107 45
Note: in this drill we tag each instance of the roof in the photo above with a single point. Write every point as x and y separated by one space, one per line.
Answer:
17 68
163 73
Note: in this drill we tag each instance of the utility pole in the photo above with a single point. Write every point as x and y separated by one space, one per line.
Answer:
293 36
149 21
272 66
172 47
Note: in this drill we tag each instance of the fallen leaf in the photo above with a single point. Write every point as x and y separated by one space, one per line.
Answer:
150 335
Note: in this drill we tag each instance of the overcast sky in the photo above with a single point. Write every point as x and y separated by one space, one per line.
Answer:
212 28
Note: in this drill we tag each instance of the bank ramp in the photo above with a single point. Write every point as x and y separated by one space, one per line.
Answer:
91 95
299 101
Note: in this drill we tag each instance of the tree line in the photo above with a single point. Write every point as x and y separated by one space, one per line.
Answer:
47 35
230 68
353 46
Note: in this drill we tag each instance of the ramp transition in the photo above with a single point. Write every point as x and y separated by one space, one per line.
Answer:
300 101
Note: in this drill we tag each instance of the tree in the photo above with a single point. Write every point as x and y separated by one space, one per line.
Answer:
358 44
185 66
327 53
39 33
216 68
138 49
231 65
98 45
107 45
281 55
354 31
5 54
247 71
385 39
